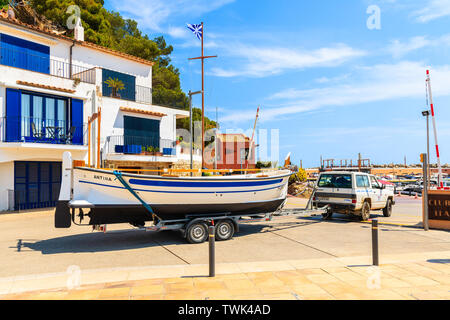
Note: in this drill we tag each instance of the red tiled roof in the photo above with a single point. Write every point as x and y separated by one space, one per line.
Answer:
37 85
147 112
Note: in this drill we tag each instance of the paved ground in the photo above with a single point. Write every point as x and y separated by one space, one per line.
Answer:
33 251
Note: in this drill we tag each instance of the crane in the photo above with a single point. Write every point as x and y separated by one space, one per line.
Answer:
251 141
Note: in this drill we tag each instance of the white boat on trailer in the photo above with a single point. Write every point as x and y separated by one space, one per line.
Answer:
185 203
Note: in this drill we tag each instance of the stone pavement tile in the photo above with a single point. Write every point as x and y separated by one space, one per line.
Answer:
311 271
115 298
279 296
411 293
383 294
176 288
147 290
442 291
336 289
322 278
148 282
38 284
244 289
248 297
208 284
442 267
114 292
335 269
121 284
419 281
215 295
396 271
239 284
362 270
182 280
83 295
229 277
308 290
348 276
103 277
391 282
5 287
159 273
442 278
182 296
56 295
292 278
255 275
420 269
149 297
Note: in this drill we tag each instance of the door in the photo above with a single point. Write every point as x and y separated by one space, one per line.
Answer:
36 184
377 193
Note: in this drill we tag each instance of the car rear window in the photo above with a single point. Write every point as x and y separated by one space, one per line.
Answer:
343 181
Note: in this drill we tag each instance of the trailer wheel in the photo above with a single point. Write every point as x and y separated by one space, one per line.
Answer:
224 230
328 215
197 233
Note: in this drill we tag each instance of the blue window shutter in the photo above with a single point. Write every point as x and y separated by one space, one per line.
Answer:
77 121
129 82
13 115
24 54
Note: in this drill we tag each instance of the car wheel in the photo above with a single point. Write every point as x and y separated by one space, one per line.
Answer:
327 215
387 211
365 211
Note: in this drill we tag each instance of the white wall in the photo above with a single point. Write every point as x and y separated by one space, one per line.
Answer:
6 182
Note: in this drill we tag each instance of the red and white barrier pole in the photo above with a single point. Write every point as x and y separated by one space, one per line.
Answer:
440 181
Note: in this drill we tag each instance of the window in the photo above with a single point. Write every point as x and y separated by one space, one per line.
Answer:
362 181
342 181
375 183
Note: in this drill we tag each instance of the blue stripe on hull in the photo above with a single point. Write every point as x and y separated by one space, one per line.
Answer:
188 192
203 184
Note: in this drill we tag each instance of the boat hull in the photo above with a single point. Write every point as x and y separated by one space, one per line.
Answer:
109 201
138 215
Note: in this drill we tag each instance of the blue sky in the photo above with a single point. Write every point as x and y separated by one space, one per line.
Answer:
329 84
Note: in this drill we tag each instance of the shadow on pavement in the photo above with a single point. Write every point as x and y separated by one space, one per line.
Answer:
100 242
439 260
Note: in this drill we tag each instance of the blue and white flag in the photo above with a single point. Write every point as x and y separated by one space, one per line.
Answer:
197 29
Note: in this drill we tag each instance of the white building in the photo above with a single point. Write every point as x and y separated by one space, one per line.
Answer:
49 87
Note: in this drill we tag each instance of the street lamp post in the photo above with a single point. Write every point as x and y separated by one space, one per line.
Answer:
426 114
190 120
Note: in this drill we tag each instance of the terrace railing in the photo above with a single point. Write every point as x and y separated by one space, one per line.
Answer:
144 94
44 64
37 130
148 145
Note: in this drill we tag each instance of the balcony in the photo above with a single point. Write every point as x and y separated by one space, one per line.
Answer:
36 130
150 146
44 64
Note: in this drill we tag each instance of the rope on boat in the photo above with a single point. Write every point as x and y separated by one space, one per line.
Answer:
119 177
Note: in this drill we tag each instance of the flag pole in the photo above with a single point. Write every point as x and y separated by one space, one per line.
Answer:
203 57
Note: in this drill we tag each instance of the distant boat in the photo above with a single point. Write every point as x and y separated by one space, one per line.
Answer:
111 201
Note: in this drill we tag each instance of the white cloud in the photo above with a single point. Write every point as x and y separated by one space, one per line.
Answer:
434 9
399 49
367 84
154 14
265 61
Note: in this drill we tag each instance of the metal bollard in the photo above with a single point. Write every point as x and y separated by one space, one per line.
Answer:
212 251
375 242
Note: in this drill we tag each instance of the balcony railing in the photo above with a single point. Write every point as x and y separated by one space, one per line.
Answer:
37 130
149 145
144 94
43 64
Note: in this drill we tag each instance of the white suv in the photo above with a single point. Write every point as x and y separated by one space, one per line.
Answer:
353 193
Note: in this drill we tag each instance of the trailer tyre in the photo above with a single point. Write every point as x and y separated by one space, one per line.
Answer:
224 230
197 233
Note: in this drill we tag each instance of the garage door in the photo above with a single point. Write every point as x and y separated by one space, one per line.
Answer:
36 184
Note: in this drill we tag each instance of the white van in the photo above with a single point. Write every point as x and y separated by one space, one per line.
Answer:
354 193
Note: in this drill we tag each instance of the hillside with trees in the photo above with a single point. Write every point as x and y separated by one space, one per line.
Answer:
111 30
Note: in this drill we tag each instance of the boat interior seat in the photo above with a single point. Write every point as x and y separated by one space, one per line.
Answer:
80 204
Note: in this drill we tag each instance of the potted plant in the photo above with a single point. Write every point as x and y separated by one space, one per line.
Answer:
158 153
116 85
